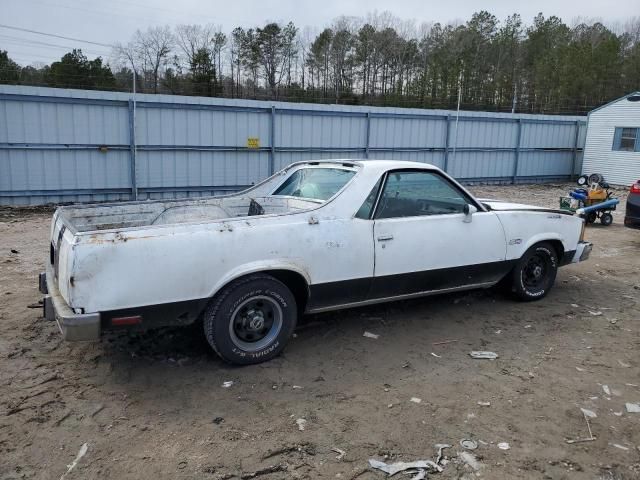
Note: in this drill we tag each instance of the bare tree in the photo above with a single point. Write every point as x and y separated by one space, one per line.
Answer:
191 39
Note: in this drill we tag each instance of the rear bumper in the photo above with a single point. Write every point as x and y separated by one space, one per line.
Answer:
74 327
582 252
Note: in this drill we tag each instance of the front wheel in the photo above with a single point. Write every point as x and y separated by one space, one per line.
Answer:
606 219
535 273
251 319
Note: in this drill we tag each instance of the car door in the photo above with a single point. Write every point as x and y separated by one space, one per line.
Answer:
425 242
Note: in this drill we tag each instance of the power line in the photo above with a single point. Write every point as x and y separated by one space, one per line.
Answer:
54 35
24 42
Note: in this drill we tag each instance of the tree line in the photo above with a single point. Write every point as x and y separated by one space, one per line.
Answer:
482 64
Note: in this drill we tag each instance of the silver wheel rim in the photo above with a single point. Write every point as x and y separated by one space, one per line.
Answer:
255 323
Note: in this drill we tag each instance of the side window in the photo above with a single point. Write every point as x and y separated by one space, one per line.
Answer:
366 209
626 139
410 194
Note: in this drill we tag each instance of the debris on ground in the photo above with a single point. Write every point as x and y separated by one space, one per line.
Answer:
470 459
297 387
606 389
72 465
371 335
302 423
484 404
416 400
586 414
434 355
440 447
617 445
633 407
504 446
218 420
304 448
444 342
227 384
468 444
596 313
281 467
483 355
624 364
341 453
393 468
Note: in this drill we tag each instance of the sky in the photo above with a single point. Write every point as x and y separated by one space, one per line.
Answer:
112 21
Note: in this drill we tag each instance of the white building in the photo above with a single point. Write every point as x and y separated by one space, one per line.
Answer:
612 147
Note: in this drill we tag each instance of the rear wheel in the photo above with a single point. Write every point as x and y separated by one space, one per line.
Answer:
591 217
251 319
535 273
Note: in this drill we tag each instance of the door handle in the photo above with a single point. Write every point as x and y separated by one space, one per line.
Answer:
385 238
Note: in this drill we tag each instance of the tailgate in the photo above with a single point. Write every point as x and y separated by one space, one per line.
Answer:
61 244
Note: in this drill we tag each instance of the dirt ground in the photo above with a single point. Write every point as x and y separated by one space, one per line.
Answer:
153 405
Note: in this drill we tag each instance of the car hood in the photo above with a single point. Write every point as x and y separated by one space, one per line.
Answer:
499 206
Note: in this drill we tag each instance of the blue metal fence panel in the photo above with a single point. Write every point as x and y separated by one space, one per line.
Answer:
78 146
389 132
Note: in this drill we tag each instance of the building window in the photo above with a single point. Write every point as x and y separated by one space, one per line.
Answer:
626 139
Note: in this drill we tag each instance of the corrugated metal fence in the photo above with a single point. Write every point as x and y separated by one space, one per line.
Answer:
79 146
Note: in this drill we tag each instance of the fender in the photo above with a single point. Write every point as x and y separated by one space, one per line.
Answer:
257 267
540 237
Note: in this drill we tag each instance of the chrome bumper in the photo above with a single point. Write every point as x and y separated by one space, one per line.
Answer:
582 252
74 327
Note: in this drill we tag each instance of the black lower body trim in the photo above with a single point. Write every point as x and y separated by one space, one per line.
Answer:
153 316
325 295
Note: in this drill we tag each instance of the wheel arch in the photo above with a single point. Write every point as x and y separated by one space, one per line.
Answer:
555 242
552 238
558 246
294 278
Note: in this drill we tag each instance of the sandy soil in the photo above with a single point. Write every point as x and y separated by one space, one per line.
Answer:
153 406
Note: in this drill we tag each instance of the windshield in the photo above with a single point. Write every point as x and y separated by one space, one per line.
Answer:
315 183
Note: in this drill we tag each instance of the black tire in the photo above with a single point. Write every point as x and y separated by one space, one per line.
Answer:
595 178
535 273
583 180
591 217
250 320
606 219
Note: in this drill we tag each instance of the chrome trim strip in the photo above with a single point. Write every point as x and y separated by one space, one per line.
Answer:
406 296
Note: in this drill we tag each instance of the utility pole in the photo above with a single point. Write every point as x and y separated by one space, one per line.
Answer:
455 137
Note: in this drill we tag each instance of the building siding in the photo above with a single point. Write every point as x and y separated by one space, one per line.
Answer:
618 168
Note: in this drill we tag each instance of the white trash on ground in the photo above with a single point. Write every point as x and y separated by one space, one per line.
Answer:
484 355
633 407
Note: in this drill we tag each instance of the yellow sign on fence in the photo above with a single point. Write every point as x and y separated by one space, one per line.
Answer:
253 142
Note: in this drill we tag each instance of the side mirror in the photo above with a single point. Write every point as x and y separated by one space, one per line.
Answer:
468 211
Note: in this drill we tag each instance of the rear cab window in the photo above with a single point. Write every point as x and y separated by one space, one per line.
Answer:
316 183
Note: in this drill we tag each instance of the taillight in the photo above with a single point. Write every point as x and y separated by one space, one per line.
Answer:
635 188
120 321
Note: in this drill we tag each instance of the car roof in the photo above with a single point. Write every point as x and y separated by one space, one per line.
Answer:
372 165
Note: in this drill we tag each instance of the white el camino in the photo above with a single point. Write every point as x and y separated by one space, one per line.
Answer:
316 236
